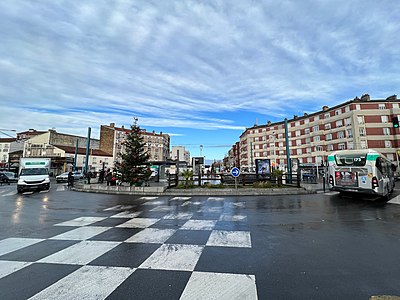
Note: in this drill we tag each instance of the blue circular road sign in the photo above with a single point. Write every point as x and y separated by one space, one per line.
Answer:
235 172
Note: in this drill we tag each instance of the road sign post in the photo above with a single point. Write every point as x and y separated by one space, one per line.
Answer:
235 172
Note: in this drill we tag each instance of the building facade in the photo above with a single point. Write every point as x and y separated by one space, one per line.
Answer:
5 149
157 145
184 155
356 124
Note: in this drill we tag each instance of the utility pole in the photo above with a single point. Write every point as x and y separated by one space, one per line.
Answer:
76 154
87 151
251 156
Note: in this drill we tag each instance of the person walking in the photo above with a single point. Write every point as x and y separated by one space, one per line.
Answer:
108 177
101 176
70 179
89 176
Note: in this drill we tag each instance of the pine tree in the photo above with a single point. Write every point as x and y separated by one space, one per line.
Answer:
133 167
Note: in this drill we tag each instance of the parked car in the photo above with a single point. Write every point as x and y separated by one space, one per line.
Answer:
64 176
11 176
4 179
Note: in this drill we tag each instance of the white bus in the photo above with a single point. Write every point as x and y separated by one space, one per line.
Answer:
363 171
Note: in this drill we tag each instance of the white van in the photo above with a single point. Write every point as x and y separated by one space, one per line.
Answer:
34 174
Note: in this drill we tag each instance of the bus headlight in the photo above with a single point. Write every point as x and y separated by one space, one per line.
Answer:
21 181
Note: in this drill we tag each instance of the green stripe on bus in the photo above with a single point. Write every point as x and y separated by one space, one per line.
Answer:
372 156
35 163
331 158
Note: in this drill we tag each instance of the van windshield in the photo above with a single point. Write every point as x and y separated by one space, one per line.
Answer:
34 171
350 159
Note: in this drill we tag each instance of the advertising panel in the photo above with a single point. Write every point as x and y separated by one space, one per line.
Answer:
263 167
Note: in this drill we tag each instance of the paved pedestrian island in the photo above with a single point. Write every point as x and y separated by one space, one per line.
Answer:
159 248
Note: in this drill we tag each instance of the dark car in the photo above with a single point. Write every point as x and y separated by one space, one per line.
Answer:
4 179
64 176
11 176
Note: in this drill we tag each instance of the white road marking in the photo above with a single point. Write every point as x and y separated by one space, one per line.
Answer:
10 194
148 198
215 199
120 207
88 282
139 223
222 286
395 200
199 225
81 253
151 235
180 198
162 208
174 257
8 267
240 239
237 204
12 244
211 210
178 216
157 202
233 218
61 188
80 233
127 214
81 221
112 208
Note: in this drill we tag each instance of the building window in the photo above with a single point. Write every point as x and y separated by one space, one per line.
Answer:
308 150
349 133
309 160
317 138
395 105
327 126
339 123
299 151
388 144
340 135
363 144
350 145
326 116
382 106
298 142
384 119
330 147
315 128
307 130
386 131
360 119
358 107
362 131
316 118
280 136
348 122
297 132
280 144
319 148
308 140
297 124
347 109
338 112
306 121
329 137
342 146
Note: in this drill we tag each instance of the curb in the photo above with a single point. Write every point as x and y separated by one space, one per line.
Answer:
160 191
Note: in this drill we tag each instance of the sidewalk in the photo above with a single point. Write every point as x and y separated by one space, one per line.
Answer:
317 186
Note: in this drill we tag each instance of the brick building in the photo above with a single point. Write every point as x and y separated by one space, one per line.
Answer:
356 124
157 144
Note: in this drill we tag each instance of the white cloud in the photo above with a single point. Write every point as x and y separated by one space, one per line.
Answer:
183 60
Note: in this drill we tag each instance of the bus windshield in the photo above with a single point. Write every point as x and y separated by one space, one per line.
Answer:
351 159
34 171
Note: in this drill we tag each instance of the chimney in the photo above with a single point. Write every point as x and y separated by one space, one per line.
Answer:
123 127
269 123
295 117
356 99
112 125
306 114
365 97
325 108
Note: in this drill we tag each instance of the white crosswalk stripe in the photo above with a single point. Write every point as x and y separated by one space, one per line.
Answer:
10 194
395 200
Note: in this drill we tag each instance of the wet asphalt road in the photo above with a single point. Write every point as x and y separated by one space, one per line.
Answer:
271 247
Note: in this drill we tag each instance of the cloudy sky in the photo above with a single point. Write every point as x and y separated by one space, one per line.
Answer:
201 71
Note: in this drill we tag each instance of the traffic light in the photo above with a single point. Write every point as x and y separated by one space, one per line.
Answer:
395 121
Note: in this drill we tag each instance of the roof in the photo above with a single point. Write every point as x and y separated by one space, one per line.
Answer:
7 140
93 152
31 132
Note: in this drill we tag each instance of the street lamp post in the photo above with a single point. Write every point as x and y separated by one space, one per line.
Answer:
272 137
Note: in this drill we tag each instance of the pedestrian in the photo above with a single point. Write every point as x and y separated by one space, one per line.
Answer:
108 177
101 176
70 179
89 176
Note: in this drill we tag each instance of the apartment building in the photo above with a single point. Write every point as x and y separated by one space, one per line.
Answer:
5 149
59 147
184 155
157 145
355 124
